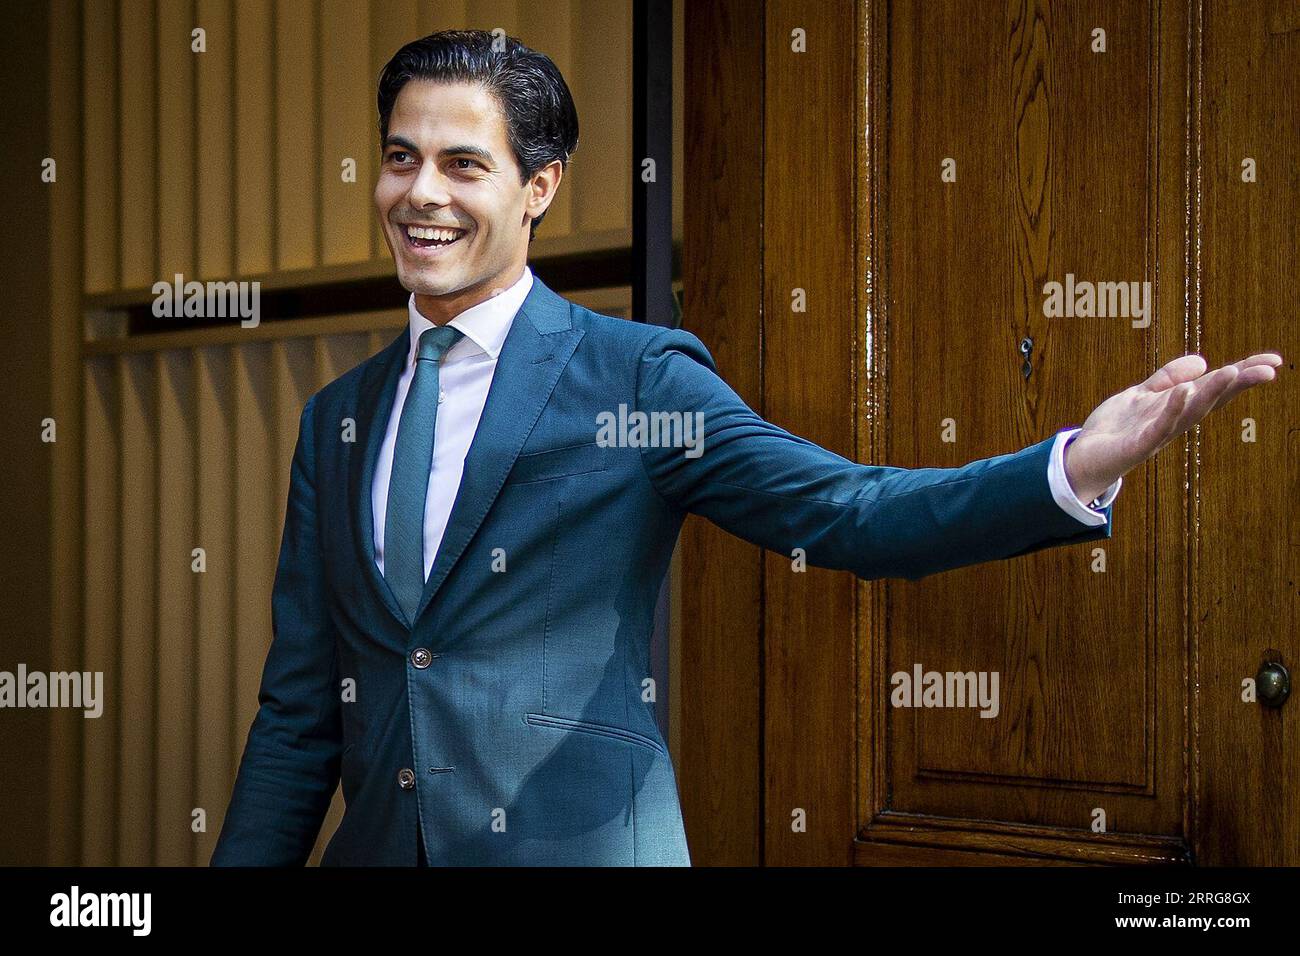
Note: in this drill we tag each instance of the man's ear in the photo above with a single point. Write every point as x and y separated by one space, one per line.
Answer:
542 188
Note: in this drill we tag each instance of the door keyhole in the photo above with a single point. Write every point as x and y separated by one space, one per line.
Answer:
1026 349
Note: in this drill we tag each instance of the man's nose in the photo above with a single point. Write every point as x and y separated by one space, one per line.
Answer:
429 188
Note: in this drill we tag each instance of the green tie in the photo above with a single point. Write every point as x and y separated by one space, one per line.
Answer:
409 482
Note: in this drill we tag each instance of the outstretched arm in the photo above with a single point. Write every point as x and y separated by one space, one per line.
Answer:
775 489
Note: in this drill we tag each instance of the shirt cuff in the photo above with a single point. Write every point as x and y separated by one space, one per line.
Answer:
1064 495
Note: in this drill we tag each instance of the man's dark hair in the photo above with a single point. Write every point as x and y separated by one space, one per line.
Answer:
541 121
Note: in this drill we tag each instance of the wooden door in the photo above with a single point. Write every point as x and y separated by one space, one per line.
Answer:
926 169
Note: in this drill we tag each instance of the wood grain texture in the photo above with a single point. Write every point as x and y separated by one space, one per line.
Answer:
1246 602
720 692
1052 179
809 136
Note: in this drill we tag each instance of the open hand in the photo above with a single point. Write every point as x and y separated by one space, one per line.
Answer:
1131 426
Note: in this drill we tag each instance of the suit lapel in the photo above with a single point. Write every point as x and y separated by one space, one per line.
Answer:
375 397
536 350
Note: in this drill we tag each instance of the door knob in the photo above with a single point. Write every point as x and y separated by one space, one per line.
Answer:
1273 684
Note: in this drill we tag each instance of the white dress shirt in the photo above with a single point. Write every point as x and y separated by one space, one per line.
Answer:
464 379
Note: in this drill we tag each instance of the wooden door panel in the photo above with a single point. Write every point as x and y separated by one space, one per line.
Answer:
1121 690
1247 594
1051 178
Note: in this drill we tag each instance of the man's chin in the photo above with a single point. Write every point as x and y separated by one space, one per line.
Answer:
421 283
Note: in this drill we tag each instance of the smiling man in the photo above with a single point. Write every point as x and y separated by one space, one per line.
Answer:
465 593
452 196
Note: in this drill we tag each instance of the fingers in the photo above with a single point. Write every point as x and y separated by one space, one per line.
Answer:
1271 359
1166 427
1185 368
1206 393
1190 368
1196 393
1251 374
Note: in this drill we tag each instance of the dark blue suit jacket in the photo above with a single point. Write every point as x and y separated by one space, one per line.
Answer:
509 716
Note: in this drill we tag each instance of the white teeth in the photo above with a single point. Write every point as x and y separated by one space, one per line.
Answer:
443 235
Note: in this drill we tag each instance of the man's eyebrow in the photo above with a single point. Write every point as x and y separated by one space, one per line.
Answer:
467 150
462 150
401 141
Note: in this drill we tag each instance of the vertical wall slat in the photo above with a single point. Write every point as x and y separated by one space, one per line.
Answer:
137 171
601 179
345 132
217 742
452 15
176 221
102 614
136 664
554 35
254 170
99 145
176 591
216 138
296 136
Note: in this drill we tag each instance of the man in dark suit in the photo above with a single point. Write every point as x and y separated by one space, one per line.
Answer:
465 592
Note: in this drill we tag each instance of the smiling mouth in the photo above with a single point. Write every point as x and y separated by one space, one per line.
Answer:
432 237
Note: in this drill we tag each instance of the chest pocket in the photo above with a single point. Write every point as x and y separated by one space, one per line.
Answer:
560 463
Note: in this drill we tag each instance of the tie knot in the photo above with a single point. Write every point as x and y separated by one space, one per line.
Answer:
435 342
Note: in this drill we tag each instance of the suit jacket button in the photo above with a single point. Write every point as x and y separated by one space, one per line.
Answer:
406 778
421 657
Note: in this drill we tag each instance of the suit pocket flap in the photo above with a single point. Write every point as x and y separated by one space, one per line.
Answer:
598 730
559 463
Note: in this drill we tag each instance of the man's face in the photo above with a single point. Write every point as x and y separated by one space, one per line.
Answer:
447 162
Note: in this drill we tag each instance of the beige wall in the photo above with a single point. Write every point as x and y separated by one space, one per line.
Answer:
227 163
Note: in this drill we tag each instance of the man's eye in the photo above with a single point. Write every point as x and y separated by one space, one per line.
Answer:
398 156
466 159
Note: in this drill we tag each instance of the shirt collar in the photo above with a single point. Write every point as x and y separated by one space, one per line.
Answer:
485 325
